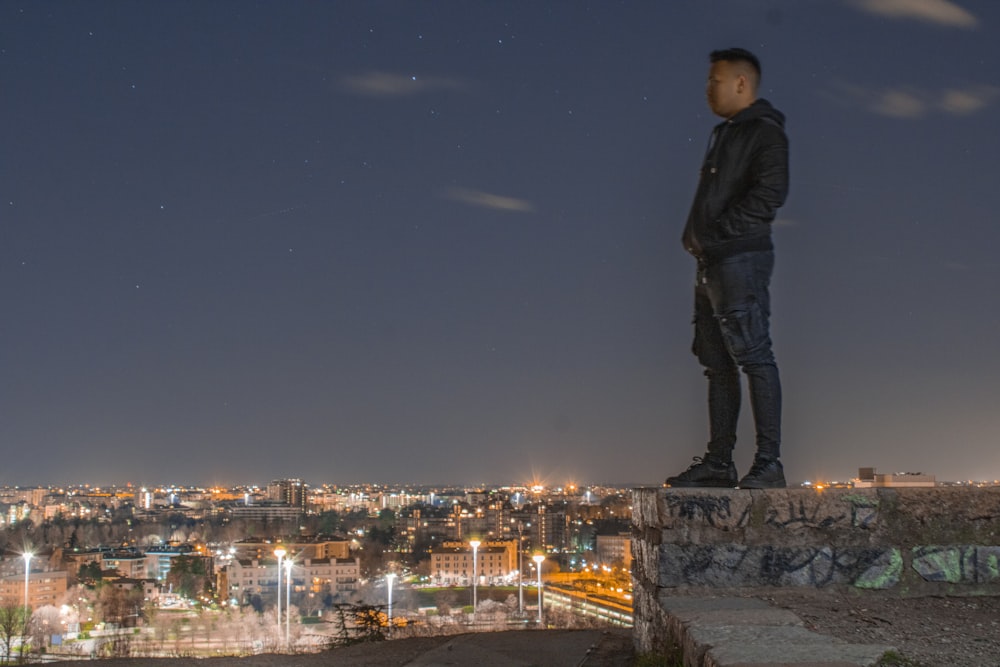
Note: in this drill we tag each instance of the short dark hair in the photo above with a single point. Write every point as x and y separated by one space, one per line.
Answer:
738 56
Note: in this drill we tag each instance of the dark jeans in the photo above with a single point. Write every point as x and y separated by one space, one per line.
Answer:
732 309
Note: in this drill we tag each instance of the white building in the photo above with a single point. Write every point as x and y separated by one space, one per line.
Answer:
246 577
451 564
868 478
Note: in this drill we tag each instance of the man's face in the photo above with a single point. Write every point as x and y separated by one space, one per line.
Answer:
726 89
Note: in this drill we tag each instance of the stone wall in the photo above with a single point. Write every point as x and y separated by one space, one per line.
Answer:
897 541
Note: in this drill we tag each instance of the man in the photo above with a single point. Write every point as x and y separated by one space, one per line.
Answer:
744 180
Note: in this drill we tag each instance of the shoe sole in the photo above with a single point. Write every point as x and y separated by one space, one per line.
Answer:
775 485
701 485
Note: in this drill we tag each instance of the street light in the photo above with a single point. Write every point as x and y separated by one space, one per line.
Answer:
27 569
520 568
288 598
388 582
539 558
475 571
280 553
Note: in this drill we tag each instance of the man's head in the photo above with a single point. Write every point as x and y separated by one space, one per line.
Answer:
732 81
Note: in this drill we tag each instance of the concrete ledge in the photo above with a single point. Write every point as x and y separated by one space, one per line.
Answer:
740 632
888 541
919 541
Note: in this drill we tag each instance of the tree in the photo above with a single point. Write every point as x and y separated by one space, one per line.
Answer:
90 574
445 600
120 606
188 576
14 619
328 523
310 603
45 621
356 623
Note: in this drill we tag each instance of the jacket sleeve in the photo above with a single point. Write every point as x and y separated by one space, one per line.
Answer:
767 183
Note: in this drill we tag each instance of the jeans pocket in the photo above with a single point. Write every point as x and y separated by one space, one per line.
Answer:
744 331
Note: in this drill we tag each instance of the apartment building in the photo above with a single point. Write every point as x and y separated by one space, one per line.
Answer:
128 563
247 577
44 588
268 511
300 549
159 559
452 564
291 492
614 549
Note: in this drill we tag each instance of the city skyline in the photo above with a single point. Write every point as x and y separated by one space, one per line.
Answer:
433 241
526 490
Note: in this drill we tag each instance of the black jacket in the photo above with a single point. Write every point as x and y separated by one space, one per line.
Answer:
744 180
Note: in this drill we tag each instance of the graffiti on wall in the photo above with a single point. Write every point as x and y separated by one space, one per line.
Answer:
734 511
716 511
958 564
733 565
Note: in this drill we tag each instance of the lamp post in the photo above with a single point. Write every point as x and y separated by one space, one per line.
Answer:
520 569
475 572
388 584
288 599
27 570
539 558
520 564
280 553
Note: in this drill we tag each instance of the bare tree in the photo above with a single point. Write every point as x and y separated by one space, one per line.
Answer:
45 621
246 626
310 603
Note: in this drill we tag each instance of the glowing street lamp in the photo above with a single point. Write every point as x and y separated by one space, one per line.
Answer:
520 568
27 569
288 599
280 553
388 584
539 558
475 571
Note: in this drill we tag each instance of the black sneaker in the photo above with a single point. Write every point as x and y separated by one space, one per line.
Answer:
764 474
706 472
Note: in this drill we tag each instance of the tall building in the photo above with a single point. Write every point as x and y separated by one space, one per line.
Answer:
614 549
545 527
292 492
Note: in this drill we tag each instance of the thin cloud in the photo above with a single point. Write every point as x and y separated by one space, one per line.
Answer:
939 12
899 103
488 200
960 267
969 101
387 84
911 102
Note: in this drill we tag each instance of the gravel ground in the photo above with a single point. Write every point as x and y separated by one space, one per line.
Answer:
611 648
926 631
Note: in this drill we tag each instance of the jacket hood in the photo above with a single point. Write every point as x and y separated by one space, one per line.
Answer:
760 109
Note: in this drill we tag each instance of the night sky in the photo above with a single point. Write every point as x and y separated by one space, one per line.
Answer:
437 242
